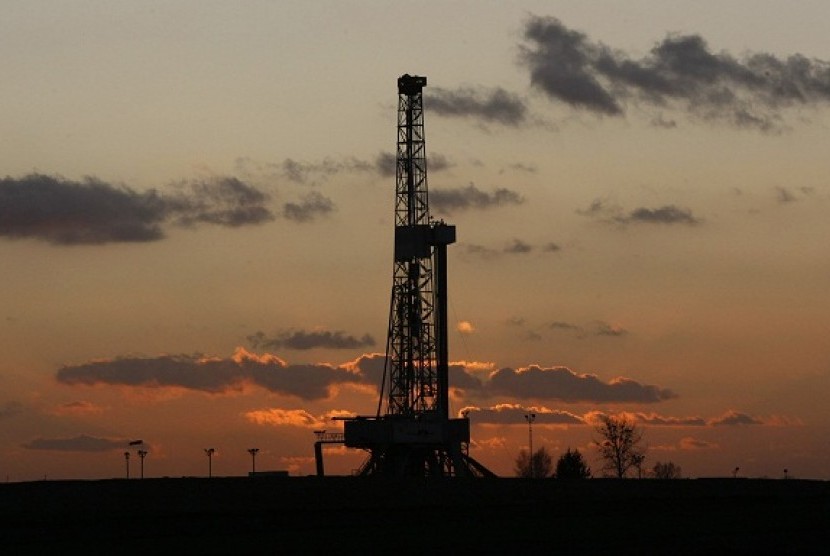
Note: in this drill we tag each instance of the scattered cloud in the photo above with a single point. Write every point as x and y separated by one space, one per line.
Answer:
689 443
605 211
521 167
90 211
213 375
310 172
78 408
655 420
668 214
595 328
302 340
10 409
680 72
735 418
784 195
285 417
518 247
81 443
465 327
312 205
512 414
562 384
386 163
481 251
450 201
606 329
489 106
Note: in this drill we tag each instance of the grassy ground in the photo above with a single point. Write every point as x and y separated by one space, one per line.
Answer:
347 515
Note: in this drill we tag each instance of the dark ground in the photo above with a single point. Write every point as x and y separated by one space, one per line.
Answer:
350 515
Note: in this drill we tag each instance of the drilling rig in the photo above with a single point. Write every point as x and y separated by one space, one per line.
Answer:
415 436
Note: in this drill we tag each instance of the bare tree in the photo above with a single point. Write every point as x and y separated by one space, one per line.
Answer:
619 445
540 467
666 470
571 465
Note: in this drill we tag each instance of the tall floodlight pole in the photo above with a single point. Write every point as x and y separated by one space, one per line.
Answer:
127 460
142 454
530 417
253 452
209 452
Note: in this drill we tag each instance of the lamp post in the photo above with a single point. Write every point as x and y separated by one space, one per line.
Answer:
142 454
253 452
209 452
127 460
530 417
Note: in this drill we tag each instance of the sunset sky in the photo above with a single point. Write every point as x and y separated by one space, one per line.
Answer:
196 219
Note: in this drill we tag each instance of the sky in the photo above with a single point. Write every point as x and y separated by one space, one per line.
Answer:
196 224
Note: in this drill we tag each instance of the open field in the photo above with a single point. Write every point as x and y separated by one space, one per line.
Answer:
269 515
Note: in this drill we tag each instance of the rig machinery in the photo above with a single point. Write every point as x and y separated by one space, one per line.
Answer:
415 436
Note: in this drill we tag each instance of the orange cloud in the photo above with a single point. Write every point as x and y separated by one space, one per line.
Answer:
285 417
78 408
465 327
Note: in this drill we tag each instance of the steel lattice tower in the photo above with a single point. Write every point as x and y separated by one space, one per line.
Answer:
415 436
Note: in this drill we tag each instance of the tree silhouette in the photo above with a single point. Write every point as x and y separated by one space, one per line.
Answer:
571 465
540 467
619 445
666 470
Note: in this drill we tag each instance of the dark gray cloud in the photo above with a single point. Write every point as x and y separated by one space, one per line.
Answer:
302 340
386 163
223 201
735 418
90 211
310 207
449 201
562 384
482 251
680 72
309 172
490 106
81 443
518 247
10 409
212 375
667 214
521 167
462 379
595 328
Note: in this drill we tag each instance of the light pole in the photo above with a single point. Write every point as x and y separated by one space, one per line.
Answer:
530 417
142 454
253 452
127 460
209 452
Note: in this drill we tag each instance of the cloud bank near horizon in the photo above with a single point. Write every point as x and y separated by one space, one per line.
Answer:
316 381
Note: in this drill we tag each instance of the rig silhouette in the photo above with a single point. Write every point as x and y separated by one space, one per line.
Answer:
412 434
